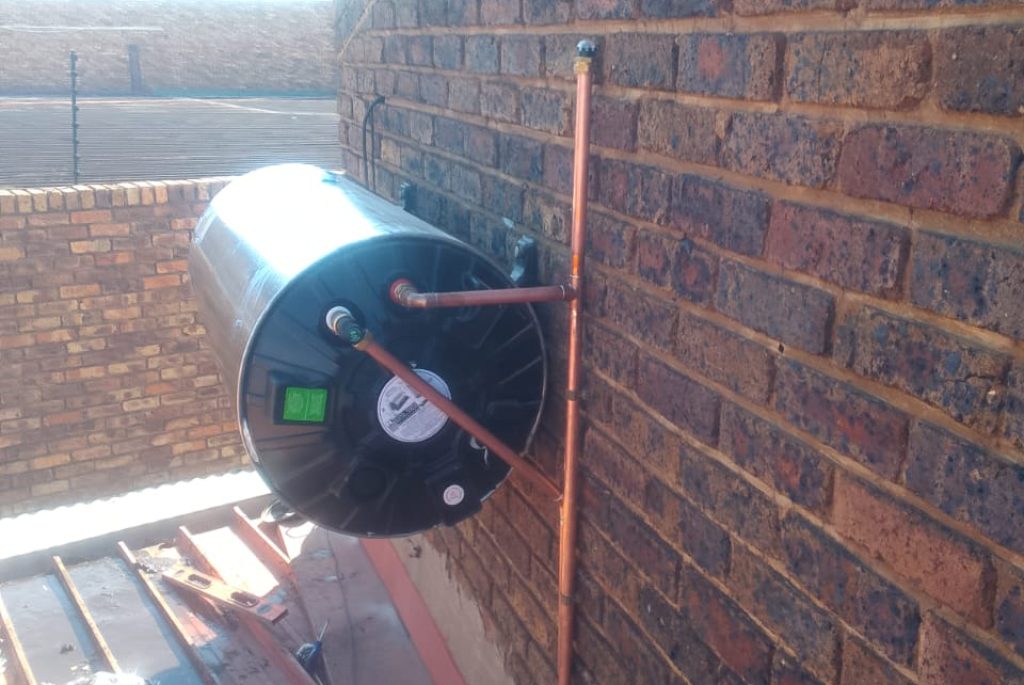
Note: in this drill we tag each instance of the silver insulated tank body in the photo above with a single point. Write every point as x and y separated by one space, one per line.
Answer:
338 438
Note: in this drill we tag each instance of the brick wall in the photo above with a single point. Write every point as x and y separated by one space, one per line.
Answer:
804 455
184 46
105 381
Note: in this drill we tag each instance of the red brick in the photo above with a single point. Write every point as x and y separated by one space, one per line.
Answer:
96 216
872 69
782 147
679 399
499 101
614 123
853 252
958 376
639 60
733 65
793 313
811 632
610 241
976 69
971 484
619 578
861 666
678 131
790 465
951 655
545 110
725 357
688 528
974 281
848 420
637 190
633 649
611 354
730 217
881 611
968 174
598 654
521 157
934 558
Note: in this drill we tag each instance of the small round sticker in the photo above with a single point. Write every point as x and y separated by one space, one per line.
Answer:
407 416
453 495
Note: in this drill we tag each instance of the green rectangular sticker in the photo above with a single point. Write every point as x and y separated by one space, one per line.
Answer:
308 405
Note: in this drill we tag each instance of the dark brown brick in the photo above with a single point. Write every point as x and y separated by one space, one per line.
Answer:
976 282
682 401
642 546
782 147
434 89
811 632
951 655
789 671
407 13
873 69
500 12
606 9
683 8
976 69
685 268
741 65
610 241
725 357
788 464
499 101
639 315
503 198
683 524
560 54
598 655
547 215
648 441
612 354
725 628
482 145
972 485
1013 408
1009 613
962 378
861 666
522 55
448 52
853 252
792 313
637 190
546 11
846 419
730 217
672 630
758 7
614 123
545 110
615 469
482 54
633 649
678 131
521 156
729 500
969 174
878 609
937 560
639 60
619 579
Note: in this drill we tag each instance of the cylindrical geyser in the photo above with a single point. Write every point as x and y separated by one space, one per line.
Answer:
335 436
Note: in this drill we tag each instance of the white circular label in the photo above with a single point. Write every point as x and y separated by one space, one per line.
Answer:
405 415
453 495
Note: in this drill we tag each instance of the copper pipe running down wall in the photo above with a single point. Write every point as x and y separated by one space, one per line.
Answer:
404 293
585 52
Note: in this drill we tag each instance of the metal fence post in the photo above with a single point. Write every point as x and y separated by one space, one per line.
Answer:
74 113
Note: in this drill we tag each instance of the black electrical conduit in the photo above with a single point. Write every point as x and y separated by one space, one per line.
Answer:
369 161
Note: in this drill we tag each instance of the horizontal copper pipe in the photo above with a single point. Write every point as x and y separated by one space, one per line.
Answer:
492 442
403 292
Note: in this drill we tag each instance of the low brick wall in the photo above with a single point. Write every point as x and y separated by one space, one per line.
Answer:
168 47
105 382
804 458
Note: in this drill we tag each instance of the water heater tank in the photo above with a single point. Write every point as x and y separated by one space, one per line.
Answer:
342 441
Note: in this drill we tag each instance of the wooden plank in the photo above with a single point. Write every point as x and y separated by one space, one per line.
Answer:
226 595
86 616
21 672
262 546
183 638
273 650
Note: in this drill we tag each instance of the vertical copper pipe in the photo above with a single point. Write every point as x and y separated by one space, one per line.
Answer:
567 539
